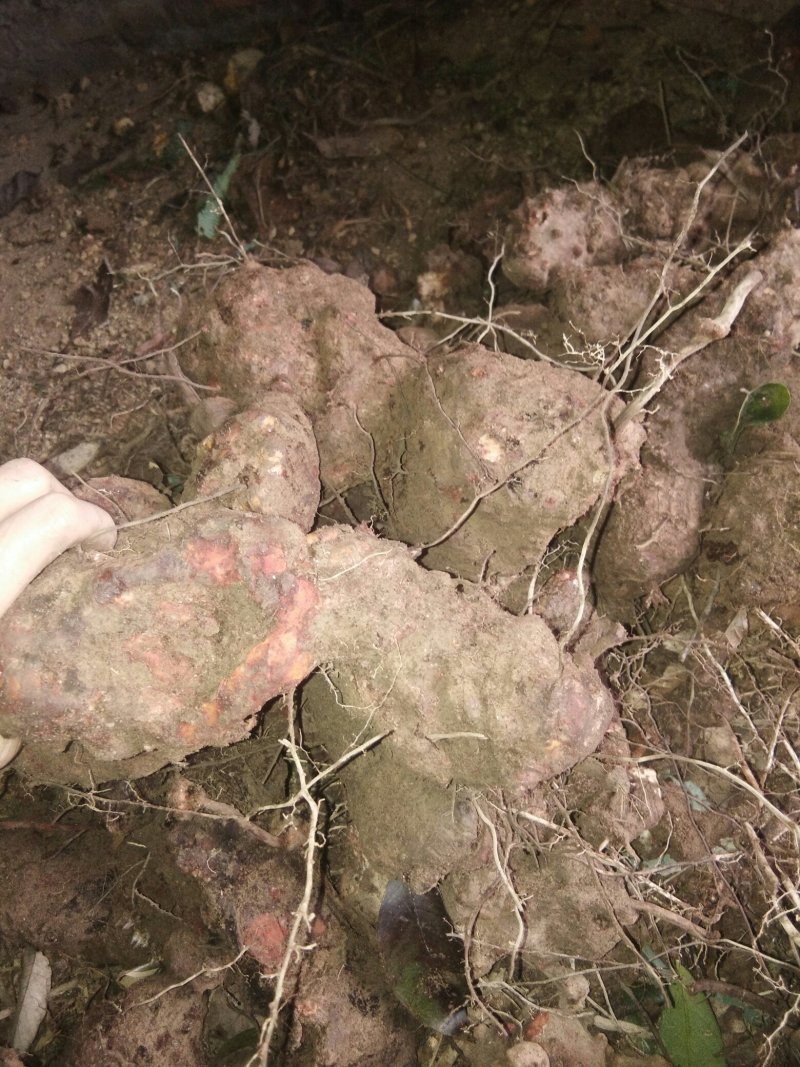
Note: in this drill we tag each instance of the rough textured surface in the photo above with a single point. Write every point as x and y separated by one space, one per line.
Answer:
556 889
652 534
308 334
527 437
463 152
562 231
174 644
125 499
62 904
599 308
268 453
750 549
654 531
656 203
212 614
473 697
168 1030
338 1018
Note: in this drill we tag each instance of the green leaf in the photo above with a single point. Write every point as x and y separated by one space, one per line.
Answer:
424 961
767 403
688 1027
209 215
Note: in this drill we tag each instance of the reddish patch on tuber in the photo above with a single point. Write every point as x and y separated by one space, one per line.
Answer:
217 559
536 1025
164 664
278 662
265 937
270 562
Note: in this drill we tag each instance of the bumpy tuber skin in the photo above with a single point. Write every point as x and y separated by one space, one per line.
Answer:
173 645
39 519
206 615
269 453
311 336
178 639
475 698
188 631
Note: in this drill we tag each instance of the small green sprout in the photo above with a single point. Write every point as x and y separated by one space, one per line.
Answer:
767 403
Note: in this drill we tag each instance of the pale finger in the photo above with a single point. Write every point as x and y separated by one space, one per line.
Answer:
21 482
39 532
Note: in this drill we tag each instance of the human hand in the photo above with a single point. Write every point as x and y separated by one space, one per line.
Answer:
40 519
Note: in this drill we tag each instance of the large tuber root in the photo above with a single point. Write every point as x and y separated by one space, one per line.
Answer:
473 696
200 618
313 338
175 644
207 615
